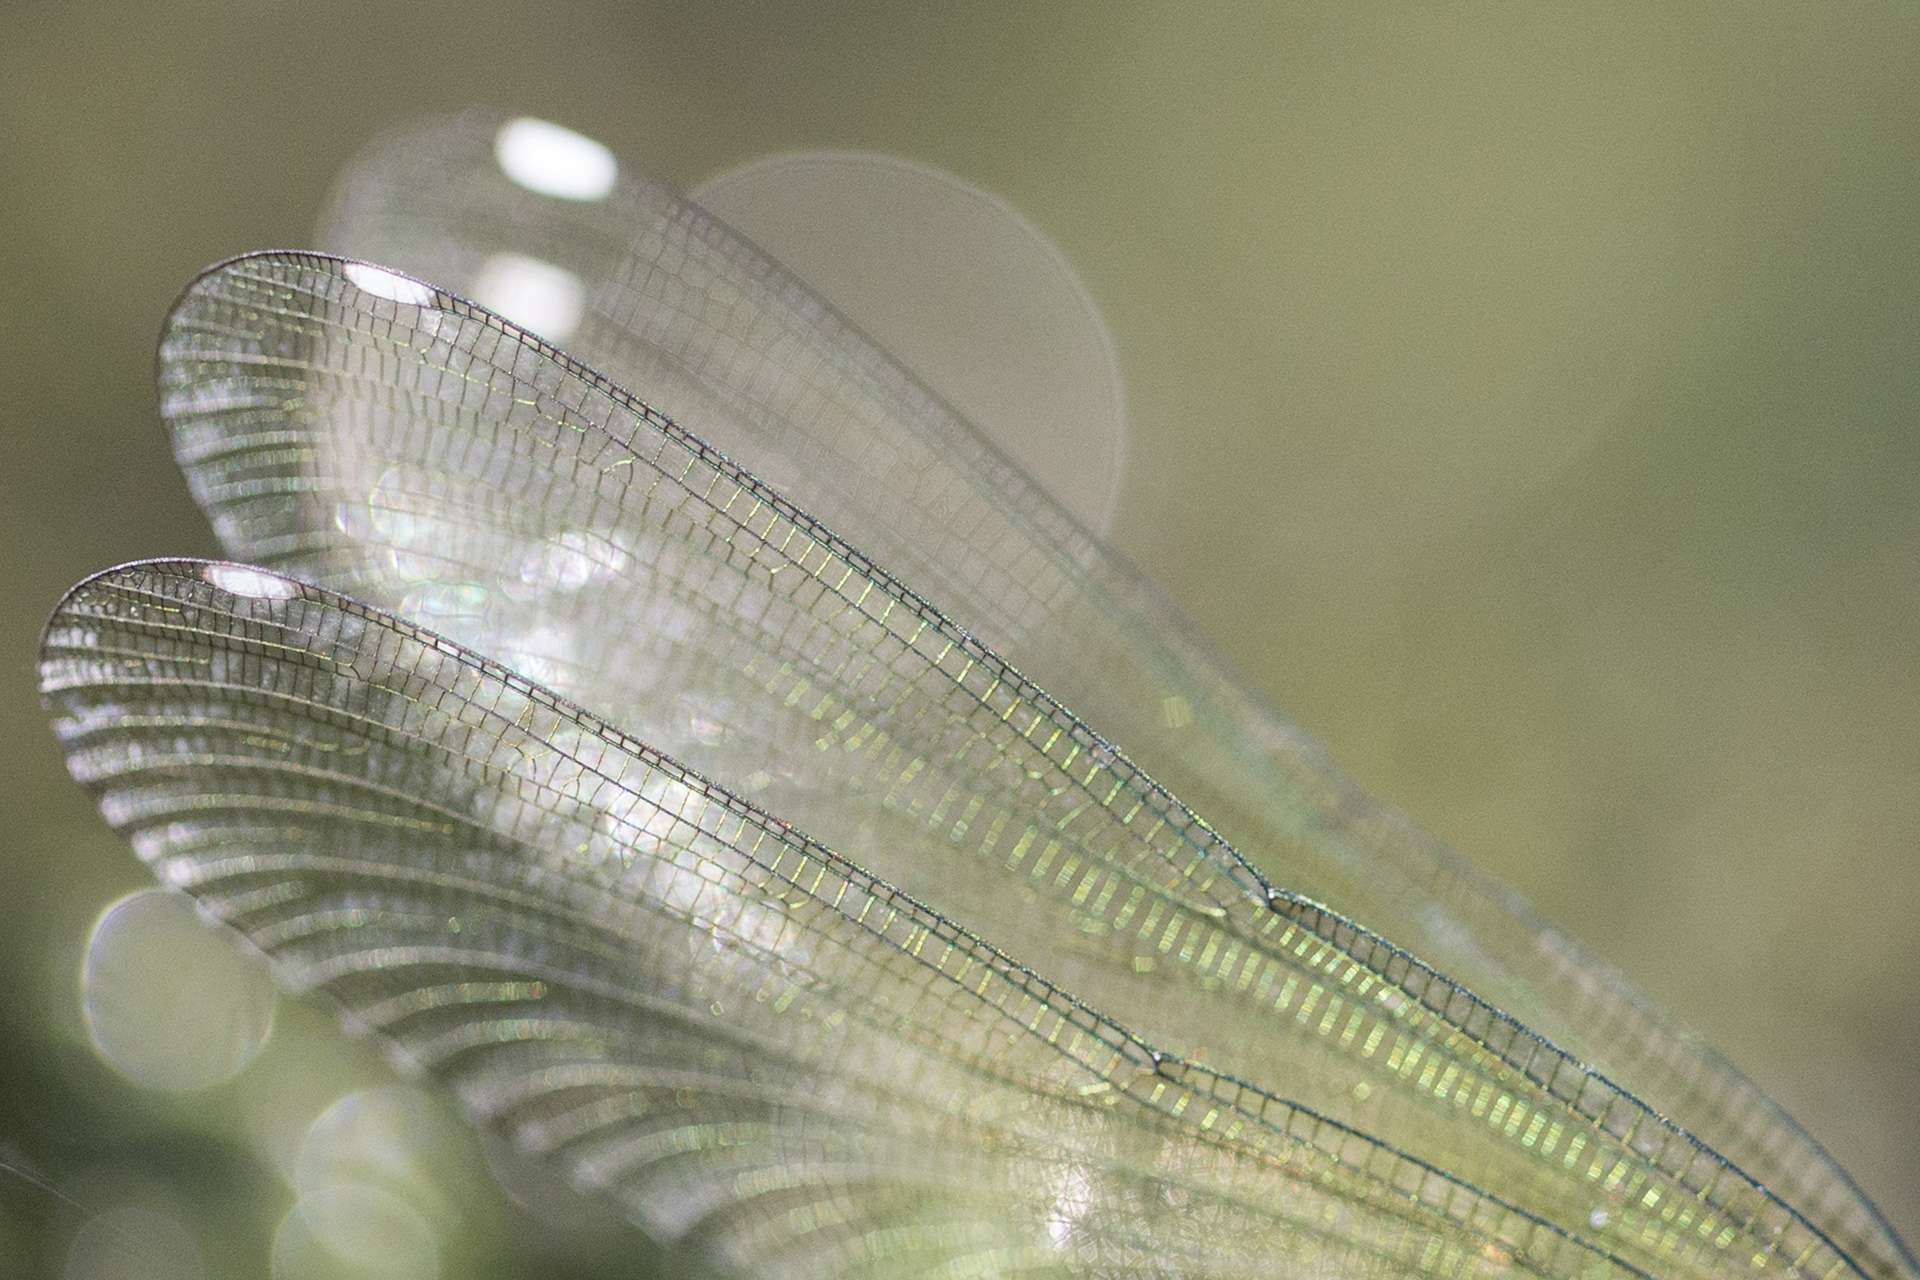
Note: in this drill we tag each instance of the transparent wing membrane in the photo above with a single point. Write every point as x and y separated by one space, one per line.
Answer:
739 1035
438 458
1019 1001
712 333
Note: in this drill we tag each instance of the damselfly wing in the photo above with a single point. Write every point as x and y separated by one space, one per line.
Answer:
715 762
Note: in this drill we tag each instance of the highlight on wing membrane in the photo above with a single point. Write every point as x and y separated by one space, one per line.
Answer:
432 444
711 332
799 1062
737 1033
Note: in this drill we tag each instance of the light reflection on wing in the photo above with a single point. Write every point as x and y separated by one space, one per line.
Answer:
740 352
684 311
582 935
748 1042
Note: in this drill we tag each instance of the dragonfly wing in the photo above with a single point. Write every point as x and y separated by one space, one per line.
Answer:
723 340
378 434
752 1045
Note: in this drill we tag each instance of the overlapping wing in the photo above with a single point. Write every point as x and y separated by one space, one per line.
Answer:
376 433
752 1045
724 341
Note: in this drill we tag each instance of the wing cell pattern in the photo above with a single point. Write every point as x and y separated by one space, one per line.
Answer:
829 942
735 1032
724 340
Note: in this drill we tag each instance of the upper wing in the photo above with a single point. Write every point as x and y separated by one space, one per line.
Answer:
384 435
724 341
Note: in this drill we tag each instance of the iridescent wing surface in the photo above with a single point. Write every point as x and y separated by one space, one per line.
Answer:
1121 1036
743 1038
710 332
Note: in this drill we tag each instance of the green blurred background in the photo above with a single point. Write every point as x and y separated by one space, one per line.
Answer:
1523 396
